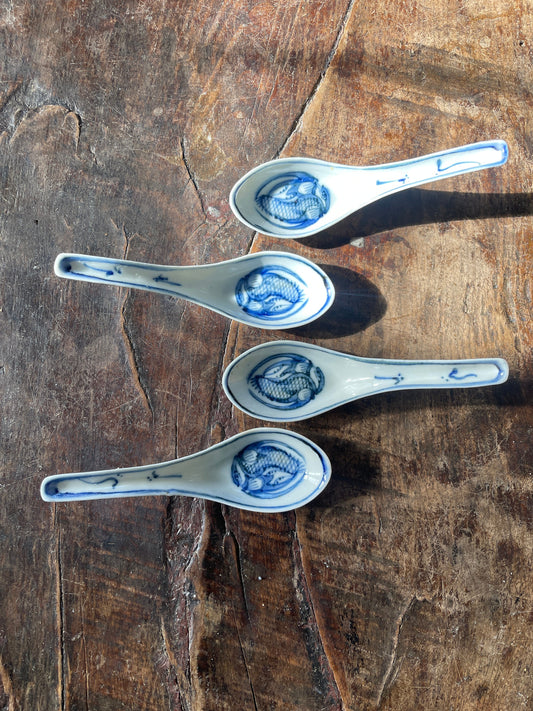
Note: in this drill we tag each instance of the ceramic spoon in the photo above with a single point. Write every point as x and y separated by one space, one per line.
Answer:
297 197
286 381
266 289
262 469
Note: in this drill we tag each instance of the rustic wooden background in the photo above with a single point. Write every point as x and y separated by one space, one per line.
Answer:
407 585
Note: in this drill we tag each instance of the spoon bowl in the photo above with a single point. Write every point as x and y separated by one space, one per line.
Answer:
287 381
264 469
267 289
298 197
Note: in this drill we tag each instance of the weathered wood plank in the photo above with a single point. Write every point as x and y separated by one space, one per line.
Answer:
407 584
416 607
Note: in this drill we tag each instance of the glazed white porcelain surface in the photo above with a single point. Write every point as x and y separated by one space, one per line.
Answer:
286 381
298 197
270 290
263 469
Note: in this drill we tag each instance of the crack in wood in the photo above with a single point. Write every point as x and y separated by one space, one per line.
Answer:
60 612
173 667
323 673
390 672
321 77
127 241
182 600
215 400
192 177
245 662
133 359
85 657
237 559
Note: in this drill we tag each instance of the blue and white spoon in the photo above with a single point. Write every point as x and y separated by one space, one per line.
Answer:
266 289
263 469
297 197
286 381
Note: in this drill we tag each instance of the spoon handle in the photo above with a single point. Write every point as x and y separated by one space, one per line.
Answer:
436 166
166 478
121 272
406 375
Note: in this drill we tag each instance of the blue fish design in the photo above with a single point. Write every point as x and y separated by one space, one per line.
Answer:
269 292
267 469
295 199
286 382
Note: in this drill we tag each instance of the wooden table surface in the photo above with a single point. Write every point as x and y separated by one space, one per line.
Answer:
408 583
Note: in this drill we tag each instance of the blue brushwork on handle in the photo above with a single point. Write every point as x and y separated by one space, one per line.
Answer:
267 469
111 481
271 292
160 278
396 378
442 166
108 481
440 169
285 382
396 180
295 199
453 375
67 266
454 166
91 273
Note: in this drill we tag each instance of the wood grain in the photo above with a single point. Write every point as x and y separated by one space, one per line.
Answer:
407 584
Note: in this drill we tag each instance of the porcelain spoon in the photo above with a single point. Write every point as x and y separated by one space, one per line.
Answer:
297 197
286 381
267 289
263 469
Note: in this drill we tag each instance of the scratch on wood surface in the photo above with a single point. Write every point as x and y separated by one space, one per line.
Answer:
200 543
392 668
235 551
216 404
228 344
172 662
192 177
127 239
133 359
176 430
168 647
276 22
245 662
76 118
9 19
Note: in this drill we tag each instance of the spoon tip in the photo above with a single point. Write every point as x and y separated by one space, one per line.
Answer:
62 264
